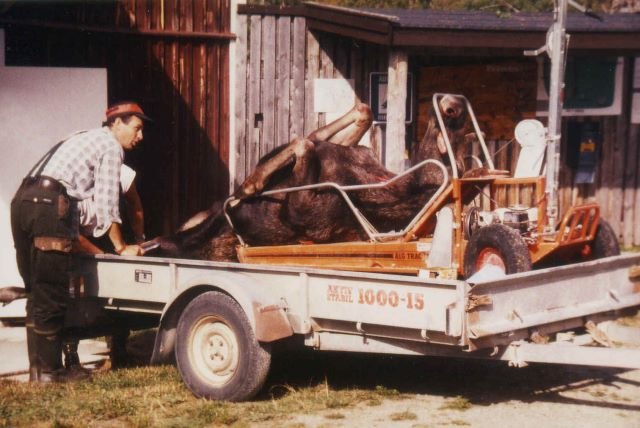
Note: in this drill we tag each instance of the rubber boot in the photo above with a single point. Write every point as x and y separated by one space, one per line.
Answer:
32 345
34 363
72 359
49 354
49 350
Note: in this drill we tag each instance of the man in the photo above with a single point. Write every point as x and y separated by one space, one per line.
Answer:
88 215
45 224
88 224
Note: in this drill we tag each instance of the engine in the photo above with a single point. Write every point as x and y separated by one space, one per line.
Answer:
523 219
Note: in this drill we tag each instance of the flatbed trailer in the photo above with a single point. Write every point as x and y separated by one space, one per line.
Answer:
217 321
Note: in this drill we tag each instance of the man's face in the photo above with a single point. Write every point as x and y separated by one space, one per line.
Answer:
128 134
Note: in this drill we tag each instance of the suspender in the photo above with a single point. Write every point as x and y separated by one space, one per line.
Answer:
39 166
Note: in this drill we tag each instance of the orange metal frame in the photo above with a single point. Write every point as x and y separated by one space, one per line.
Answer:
395 257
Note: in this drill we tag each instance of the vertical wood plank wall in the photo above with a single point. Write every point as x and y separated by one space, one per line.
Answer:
274 92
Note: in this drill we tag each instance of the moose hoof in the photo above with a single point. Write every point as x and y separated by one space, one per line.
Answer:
247 190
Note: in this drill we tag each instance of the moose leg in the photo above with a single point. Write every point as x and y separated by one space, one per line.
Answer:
258 179
355 123
201 216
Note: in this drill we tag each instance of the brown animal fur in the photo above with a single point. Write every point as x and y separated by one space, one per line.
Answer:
322 215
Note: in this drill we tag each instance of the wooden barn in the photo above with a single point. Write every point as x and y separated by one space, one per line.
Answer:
226 83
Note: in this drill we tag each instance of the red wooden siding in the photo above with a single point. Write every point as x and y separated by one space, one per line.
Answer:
169 55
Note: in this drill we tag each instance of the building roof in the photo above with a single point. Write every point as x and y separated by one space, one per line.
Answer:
490 21
426 28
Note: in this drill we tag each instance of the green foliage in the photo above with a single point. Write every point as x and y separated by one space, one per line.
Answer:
389 4
501 7
492 5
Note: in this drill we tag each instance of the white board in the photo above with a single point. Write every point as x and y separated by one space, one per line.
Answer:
40 106
335 97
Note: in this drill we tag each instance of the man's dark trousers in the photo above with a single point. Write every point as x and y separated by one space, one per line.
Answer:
43 229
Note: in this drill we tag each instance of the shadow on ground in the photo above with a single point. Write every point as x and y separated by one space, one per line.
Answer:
478 381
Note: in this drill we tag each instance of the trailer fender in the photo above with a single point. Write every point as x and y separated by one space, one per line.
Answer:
265 311
271 322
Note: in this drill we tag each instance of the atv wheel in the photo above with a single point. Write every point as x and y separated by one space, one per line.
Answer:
497 245
216 350
605 242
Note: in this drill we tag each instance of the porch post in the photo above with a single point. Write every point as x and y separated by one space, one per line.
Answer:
396 104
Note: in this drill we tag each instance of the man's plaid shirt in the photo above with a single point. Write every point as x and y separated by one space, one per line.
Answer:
88 165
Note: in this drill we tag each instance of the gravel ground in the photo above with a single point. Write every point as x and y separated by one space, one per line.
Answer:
446 392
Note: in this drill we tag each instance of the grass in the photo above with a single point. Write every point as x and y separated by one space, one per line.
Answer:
334 416
456 403
156 397
403 416
631 321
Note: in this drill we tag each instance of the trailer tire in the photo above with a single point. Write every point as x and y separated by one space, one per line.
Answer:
498 245
605 242
217 353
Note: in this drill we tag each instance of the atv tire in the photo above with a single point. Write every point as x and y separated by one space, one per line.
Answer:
605 243
497 245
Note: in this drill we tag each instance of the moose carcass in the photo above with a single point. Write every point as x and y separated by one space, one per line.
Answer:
322 216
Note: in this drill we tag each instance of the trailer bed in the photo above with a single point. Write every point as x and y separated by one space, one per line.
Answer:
218 320
432 311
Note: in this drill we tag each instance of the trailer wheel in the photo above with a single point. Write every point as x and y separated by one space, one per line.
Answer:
217 353
497 245
605 243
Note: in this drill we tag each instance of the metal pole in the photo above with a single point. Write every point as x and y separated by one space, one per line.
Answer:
557 45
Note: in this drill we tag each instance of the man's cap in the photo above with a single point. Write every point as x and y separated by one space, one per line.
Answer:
125 109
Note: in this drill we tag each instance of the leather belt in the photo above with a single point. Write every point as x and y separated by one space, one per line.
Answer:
52 243
45 182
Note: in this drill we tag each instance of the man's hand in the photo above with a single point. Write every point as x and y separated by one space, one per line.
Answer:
121 247
131 250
